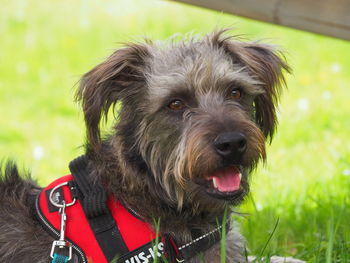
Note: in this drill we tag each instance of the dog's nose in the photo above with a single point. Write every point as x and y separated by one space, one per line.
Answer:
230 145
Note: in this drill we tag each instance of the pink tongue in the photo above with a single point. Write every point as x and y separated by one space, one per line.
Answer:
227 180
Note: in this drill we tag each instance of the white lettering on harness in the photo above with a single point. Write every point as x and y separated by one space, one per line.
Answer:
142 257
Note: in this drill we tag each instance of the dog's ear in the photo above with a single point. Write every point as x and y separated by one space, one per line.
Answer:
120 76
266 64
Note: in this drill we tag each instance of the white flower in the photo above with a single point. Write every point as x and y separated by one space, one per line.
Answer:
336 68
38 152
327 95
346 172
303 104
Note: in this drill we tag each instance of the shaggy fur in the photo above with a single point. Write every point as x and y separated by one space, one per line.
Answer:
156 157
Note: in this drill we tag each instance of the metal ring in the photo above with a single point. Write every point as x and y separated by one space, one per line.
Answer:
57 204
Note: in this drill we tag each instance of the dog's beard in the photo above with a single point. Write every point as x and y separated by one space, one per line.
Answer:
190 174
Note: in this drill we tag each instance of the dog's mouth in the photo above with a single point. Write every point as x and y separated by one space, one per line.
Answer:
224 183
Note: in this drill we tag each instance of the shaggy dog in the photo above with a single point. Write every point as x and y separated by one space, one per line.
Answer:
193 118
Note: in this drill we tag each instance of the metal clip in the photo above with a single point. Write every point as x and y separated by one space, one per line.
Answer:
53 201
61 242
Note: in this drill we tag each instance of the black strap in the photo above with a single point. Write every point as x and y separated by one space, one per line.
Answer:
94 202
200 244
146 253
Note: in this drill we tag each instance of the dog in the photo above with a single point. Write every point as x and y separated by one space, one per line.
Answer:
192 121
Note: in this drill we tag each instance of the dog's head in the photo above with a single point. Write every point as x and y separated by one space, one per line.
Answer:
193 116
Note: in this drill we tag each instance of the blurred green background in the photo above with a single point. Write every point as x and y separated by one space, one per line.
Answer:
47 45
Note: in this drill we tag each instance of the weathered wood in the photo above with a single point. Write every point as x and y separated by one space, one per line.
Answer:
327 17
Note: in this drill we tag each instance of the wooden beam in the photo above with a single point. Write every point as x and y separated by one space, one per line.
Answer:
327 17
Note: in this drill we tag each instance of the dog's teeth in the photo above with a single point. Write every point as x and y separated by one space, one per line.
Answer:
214 183
240 176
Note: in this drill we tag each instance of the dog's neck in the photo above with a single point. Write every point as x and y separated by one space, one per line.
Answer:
146 200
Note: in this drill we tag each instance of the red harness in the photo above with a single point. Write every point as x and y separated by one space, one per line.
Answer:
78 230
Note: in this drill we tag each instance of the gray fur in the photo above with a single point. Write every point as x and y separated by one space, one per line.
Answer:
153 156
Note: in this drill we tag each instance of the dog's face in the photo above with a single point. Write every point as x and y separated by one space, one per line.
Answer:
194 116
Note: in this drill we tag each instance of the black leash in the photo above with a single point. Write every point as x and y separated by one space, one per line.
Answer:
94 202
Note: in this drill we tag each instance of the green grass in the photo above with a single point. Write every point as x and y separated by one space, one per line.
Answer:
46 46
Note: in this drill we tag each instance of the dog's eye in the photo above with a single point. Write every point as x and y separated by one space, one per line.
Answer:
236 94
176 105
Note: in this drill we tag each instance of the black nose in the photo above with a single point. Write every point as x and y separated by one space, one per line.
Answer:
231 145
